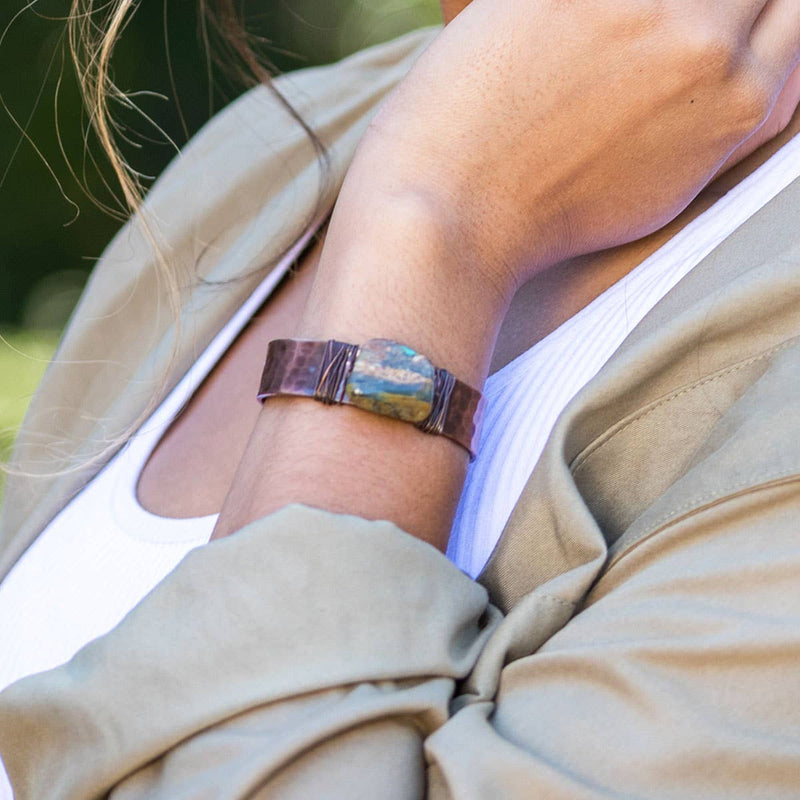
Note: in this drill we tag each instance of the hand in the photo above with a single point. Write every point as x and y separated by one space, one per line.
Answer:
541 130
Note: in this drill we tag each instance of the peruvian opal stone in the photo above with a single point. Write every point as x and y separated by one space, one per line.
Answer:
391 379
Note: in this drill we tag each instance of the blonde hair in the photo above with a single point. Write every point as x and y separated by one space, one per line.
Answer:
93 31
91 45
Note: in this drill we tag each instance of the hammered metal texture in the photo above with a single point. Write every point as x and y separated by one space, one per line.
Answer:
462 423
293 367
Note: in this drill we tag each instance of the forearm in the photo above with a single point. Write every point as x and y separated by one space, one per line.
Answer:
451 203
396 273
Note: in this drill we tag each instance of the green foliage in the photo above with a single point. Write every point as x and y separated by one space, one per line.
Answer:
23 358
24 355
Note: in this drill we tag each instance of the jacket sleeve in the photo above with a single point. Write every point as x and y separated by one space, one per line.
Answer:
313 656
310 654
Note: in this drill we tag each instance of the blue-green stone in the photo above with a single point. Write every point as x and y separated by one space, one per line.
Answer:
391 379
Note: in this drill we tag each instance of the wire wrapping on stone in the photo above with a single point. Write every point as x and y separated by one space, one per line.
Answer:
337 364
442 389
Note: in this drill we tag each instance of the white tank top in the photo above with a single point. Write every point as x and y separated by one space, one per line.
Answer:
104 552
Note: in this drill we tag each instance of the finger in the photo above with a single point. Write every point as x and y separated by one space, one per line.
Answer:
775 37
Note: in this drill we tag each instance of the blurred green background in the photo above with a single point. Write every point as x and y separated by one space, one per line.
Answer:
50 232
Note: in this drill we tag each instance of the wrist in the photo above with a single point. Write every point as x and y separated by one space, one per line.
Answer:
393 268
389 272
505 217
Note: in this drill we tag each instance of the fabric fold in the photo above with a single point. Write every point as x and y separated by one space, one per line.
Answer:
249 620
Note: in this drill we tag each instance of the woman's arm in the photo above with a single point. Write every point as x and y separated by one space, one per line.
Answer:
527 133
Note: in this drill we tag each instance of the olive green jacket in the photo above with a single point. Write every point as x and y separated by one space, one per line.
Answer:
636 633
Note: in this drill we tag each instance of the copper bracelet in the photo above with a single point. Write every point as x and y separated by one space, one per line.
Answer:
381 376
